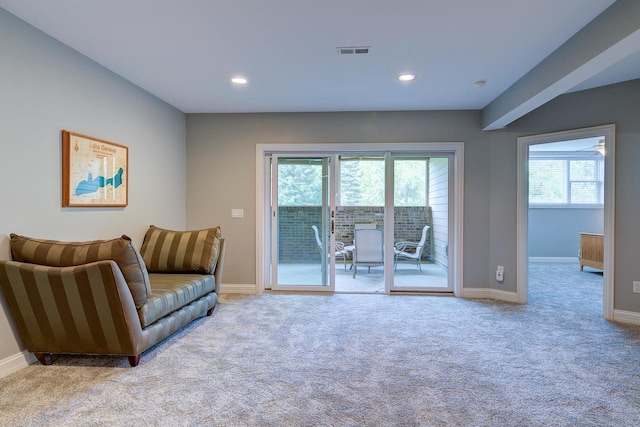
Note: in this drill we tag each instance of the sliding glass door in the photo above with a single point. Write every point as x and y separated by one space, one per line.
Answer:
356 221
302 223
360 221
422 186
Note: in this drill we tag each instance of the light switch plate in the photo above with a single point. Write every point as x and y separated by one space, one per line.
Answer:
237 213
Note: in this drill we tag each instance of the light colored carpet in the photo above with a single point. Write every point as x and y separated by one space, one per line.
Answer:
349 360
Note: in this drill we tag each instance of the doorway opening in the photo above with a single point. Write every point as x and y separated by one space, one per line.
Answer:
326 219
565 209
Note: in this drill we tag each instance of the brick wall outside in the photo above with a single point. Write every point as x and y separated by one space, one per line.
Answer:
298 242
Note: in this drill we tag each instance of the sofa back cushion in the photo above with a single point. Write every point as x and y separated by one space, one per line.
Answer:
168 251
54 253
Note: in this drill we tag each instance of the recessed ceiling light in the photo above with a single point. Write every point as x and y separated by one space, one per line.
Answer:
406 77
239 80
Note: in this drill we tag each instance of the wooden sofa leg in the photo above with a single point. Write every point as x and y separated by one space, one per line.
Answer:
44 358
134 360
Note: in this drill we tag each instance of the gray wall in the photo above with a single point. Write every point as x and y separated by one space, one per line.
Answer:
46 87
619 104
554 232
221 150
503 209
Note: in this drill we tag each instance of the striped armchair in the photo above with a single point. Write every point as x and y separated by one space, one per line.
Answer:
100 297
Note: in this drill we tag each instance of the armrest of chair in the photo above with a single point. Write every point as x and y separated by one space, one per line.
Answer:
403 246
81 309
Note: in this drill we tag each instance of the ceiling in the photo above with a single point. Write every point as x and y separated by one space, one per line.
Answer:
185 52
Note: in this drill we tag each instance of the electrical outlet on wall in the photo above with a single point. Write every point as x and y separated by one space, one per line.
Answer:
500 273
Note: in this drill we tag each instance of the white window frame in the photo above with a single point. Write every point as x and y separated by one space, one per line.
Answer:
567 157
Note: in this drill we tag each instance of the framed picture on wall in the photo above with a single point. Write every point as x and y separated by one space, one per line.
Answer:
94 172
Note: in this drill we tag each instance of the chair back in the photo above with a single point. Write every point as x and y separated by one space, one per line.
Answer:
365 225
423 240
369 246
315 230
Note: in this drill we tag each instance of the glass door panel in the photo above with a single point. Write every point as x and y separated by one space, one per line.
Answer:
421 194
359 222
302 223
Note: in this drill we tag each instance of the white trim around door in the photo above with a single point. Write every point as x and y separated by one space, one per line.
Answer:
263 261
609 207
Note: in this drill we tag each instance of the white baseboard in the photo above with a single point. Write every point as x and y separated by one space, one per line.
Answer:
235 288
624 316
567 259
489 293
16 362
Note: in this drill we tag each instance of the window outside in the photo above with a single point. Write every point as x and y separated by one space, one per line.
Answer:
566 181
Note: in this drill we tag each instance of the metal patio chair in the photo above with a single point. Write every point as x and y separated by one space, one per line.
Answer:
340 251
369 249
410 250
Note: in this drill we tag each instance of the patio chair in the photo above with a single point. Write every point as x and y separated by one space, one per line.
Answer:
369 249
340 251
410 250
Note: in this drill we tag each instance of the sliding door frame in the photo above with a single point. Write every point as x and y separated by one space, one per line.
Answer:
390 219
263 212
328 204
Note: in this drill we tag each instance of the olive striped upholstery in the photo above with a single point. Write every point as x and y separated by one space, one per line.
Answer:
65 254
170 292
168 251
83 309
164 327
89 309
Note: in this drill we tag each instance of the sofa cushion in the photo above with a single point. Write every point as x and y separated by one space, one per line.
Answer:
55 253
168 251
170 292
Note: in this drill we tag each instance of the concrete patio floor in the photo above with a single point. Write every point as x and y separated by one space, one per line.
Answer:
407 275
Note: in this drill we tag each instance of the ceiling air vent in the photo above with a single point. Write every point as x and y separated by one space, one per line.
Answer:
354 50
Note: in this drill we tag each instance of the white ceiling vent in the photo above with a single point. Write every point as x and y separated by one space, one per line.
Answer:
354 50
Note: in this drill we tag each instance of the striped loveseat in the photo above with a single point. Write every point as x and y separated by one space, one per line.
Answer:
106 297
